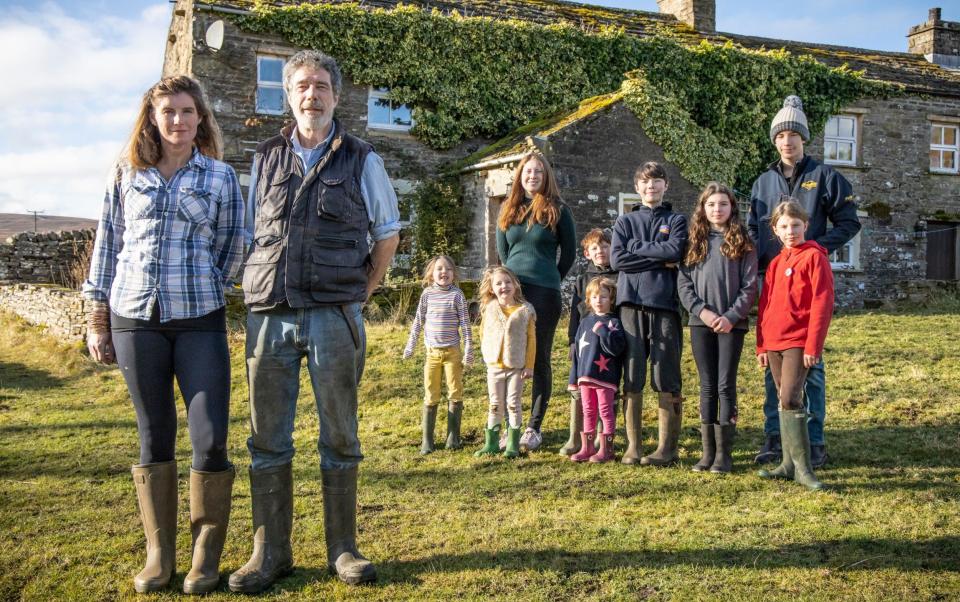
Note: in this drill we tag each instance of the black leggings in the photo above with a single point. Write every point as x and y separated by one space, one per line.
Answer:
717 357
547 303
200 361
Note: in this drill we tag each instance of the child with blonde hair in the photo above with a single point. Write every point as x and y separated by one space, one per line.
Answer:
508 344
443 317
596 369
796 305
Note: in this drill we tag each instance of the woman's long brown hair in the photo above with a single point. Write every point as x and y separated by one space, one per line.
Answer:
545 208
736 240
144 149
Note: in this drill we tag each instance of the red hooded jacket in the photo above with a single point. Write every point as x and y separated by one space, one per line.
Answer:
796 302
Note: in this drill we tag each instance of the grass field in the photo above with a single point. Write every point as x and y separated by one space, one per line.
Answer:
451 526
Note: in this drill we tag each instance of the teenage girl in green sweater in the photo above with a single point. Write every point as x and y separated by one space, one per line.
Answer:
533 224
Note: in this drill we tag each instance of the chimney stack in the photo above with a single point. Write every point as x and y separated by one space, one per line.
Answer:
937 40
698 14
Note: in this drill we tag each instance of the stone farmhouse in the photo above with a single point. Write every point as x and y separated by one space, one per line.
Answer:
901 153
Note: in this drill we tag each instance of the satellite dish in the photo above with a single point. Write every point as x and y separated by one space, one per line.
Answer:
214 36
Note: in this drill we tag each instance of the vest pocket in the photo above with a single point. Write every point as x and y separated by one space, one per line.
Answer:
339 267
335 203
260 269
274 197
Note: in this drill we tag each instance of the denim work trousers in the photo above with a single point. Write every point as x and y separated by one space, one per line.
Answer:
440 362
815 394
333 341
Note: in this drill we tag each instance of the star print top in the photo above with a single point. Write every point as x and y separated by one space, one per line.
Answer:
601 346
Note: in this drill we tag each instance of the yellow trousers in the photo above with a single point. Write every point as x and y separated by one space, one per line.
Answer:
443 361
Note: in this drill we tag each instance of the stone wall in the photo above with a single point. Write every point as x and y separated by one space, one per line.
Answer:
896 191
46 257
60 310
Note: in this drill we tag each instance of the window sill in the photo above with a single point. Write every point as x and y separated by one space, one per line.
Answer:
845 268
389 132
943 173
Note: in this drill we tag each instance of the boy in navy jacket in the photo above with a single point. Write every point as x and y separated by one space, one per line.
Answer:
648 244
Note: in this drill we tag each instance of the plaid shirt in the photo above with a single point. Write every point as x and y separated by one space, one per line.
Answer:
175 243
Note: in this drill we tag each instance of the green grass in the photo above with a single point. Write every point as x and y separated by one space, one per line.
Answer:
538 528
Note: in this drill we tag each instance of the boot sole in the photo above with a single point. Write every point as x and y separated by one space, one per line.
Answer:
199 587
146 587
368 577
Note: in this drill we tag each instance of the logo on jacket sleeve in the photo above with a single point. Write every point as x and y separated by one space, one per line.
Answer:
664 229
809 185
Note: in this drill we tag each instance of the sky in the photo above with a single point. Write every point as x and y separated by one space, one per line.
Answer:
79 68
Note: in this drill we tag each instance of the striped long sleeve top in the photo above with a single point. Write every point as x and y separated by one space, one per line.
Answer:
441 315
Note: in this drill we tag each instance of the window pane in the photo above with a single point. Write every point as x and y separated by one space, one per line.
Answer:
845 152
950 136
831 129
830 151
271 70
401 115
378 111
936 134
948 160
934 159
846 127
270 99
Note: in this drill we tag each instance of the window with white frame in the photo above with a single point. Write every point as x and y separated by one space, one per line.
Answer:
628 200
840 140
944 147
847 257
270 98
386 114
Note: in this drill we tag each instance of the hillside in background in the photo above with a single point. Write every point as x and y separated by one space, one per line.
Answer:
15 223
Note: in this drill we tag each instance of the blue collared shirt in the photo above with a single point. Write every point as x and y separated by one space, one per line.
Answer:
176 243
378 194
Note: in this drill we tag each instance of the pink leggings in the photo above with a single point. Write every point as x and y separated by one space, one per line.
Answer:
591 397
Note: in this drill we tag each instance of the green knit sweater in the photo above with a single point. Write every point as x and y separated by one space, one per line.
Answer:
531 254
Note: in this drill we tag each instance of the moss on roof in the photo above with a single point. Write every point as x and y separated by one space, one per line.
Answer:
516 141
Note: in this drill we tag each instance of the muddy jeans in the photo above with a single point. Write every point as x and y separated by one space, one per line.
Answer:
332 340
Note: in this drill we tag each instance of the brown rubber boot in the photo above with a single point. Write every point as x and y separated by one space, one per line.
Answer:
209 516
340 527
271 497
157 496
572 445
670 415
632 410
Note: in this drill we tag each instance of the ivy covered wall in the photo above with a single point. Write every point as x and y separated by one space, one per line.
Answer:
476 76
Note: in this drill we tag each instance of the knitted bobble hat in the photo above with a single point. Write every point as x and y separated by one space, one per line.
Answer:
790 117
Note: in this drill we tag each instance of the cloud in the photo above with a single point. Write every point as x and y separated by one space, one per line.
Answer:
73 87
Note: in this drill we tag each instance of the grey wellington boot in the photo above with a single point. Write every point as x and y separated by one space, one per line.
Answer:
632 410
709 448
271 497
797 439
209 517
156 485
428 422
340 527
724 435
572 445
454 417
670 416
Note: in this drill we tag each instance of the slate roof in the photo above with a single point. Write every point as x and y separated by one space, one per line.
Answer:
910 70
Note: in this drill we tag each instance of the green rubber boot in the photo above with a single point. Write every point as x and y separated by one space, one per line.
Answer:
785 470
572 445
670 413
454 415
491 442
797 439
428 422
513 443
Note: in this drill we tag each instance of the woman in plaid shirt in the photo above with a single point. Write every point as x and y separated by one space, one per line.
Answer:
170 238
